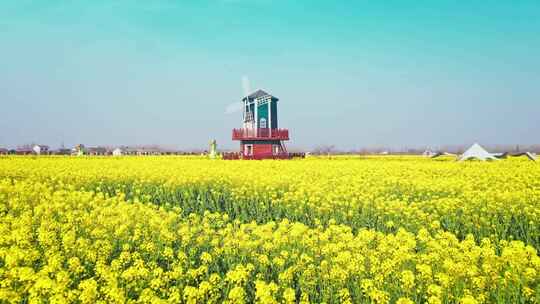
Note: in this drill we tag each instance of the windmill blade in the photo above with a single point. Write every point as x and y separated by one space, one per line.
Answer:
238 106
234 107
245 85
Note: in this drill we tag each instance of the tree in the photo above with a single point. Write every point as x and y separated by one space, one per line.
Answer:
324 150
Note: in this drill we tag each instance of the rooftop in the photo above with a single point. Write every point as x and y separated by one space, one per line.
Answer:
260 93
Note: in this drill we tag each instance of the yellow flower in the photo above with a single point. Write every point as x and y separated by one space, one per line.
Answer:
237 295
407 280
289 296
206 258
468 300
344 296
434 300
89 291
404 301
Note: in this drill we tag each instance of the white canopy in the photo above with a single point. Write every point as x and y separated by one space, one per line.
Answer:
531 156
477 152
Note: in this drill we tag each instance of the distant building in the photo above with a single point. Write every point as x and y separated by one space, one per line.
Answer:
129 151
40 149
62 151
150 151
142 151
428 153
117 152
24 150
97 151
4 151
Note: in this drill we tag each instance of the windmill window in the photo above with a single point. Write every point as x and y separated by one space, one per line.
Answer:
263 123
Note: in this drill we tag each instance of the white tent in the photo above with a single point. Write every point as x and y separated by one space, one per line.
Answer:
530 155
438 154
477 152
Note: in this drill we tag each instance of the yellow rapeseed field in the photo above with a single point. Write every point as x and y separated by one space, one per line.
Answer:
342 230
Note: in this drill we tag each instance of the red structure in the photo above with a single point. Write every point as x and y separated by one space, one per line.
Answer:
260 137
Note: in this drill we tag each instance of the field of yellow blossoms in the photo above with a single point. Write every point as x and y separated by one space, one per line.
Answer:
342 230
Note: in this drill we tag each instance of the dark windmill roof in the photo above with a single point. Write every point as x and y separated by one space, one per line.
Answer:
260 93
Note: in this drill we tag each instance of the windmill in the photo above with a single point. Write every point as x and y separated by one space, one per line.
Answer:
259 136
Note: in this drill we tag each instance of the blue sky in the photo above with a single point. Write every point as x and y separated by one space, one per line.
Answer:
350 73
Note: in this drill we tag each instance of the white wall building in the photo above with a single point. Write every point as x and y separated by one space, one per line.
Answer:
117 152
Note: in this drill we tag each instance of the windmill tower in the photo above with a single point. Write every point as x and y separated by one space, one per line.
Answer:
260 137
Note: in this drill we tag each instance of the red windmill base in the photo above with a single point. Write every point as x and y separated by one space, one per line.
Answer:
260 137
262 143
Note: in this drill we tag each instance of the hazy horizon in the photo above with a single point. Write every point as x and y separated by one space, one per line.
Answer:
352 74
